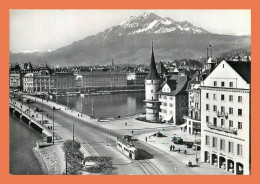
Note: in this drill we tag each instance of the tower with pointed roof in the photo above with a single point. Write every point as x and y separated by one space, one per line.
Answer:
152 85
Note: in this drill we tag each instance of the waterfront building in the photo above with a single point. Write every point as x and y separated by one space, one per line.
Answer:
136 78
225 117
36 82
62 81
152 86
173 98
103 79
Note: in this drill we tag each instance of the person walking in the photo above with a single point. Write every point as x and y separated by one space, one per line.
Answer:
145 139
132 132
170 147
179 150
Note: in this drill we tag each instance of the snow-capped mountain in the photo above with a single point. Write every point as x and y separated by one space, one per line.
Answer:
151 23
130 42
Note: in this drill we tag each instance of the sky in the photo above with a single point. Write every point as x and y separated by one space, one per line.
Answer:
46 30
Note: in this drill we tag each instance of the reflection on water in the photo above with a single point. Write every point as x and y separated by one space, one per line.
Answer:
22 141
122 104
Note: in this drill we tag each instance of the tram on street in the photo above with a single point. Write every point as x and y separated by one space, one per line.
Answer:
127 148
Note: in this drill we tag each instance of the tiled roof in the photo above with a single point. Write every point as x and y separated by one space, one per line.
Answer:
177 84
242 68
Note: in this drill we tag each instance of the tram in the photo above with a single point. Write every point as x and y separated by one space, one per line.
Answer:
127 149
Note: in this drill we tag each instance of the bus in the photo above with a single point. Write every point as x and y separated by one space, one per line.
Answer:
127 148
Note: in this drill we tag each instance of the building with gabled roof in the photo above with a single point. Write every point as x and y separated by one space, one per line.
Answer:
225 117
173 97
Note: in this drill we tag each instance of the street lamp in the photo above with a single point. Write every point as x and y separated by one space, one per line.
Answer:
53 109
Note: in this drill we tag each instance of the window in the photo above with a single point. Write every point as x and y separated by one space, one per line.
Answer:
222 144
207 140
207 119
170 104
240 112
222 97
230 110
222 122
222 84
230 147
231 84
151 91
239 98
214 108
215 121
207 95
222 109
214 143
207 107
214 96
239 150
231 98
230 123
239 126
215 83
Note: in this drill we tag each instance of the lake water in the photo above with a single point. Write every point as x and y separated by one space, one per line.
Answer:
22 141
120 104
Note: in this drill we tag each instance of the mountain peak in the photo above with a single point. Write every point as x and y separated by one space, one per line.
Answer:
149 22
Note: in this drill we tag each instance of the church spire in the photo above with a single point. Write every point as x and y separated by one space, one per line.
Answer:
152 74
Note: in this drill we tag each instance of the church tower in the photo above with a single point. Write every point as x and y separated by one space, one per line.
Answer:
152 85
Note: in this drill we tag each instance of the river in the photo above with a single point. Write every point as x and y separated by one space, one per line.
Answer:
112 105
22 141
23 138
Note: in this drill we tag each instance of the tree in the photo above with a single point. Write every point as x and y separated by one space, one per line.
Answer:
103 165
73 156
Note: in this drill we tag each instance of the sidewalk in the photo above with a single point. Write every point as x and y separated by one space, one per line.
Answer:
164 143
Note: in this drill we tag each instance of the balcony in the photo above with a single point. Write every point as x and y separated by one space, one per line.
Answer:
193 118
222 114
222 129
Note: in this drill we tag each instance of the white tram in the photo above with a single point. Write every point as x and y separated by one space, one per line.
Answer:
126 148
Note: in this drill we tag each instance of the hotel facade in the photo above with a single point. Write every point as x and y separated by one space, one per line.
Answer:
225 117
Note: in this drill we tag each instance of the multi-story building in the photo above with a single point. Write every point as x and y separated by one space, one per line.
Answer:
136 78
37 82
152 86
62 81
225 117
103 79
174 99
193 123
15 77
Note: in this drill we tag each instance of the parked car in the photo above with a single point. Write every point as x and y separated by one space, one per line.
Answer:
176 139
158 134
127 137
189 144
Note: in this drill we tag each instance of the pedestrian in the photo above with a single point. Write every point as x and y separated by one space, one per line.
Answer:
170 147
78 115
145 139
197 160
179 150
125 123
132 132
173 147
81 115
185 152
